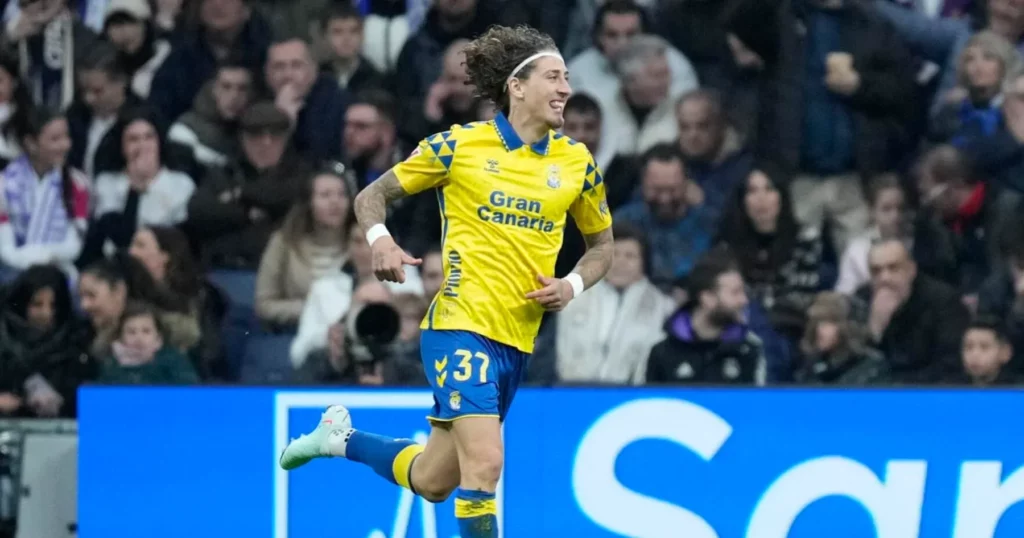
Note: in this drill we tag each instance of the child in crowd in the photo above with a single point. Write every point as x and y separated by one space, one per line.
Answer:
140 355
986 353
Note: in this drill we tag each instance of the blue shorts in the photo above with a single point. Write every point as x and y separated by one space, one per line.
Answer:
471 375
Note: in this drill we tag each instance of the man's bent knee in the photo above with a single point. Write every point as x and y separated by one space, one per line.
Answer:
435 483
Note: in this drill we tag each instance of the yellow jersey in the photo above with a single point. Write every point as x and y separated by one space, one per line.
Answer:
503 207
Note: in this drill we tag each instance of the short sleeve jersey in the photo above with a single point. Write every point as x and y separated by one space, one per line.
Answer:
503 208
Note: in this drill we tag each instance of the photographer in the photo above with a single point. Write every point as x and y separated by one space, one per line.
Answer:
365 346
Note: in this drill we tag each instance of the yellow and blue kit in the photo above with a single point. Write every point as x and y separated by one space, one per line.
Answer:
503 208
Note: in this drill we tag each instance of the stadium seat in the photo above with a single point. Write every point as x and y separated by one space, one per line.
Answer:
266 359
240 320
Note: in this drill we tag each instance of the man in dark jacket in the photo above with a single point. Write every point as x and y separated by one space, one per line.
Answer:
716 157
708 340
957 235
835 91
915 321
227 29
314 102
235 210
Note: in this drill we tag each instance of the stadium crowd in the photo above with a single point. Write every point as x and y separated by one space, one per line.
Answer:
808 191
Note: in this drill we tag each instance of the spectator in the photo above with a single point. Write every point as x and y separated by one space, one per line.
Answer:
583 120
604 335
973 108
13 97
778 260
717 159
708 340
916 322
833 348
128 26
449 101
145 192
343 27
164 252
423 57
1000 156
108 285
837 116
313 102
102 97
678 229
226 28
44 204
210 129
310 245
616 24
986 354
639 113
235 210
889 220
343 362
956 236
43 346
140 355
370 137
50 42
943 41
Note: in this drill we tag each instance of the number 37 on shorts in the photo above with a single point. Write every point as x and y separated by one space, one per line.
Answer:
471 375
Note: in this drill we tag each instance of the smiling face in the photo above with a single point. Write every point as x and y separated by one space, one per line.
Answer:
543 93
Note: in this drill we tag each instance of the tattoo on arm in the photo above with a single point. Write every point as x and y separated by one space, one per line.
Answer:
372 203
598 258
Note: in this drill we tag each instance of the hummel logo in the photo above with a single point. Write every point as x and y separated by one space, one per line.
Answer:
492 166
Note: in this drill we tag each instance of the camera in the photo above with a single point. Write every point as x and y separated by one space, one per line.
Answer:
371 332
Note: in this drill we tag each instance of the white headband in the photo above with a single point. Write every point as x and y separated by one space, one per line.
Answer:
523 64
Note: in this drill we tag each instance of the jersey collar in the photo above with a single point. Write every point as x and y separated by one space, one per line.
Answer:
511 140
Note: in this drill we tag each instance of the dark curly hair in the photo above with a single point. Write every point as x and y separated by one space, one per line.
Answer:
491 58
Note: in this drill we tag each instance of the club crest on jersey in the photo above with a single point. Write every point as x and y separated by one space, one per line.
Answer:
603 207
455 401
492 166
553 180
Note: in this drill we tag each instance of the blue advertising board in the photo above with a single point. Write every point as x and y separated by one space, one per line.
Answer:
644 463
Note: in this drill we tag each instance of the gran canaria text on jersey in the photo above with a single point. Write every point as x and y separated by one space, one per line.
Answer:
501 207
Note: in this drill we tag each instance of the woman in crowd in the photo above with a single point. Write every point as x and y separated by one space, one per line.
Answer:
13 97
834 349
888 220
310 244
145 192
165 253
973 108
45 204
105 288
43 346
779 261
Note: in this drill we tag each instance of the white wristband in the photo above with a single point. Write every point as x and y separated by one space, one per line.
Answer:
576 281
376 232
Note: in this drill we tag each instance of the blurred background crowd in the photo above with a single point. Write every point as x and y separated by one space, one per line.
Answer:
804 191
